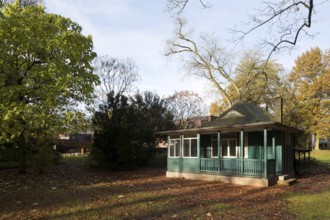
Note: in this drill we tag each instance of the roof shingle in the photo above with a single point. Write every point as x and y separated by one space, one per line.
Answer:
241 113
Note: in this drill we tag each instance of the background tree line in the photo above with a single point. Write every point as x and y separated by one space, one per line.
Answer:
48 68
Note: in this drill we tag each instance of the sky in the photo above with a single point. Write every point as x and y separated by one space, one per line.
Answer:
139 29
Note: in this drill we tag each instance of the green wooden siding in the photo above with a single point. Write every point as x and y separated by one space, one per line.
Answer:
190 165
279 154
279 140
234 166
174 164
279 158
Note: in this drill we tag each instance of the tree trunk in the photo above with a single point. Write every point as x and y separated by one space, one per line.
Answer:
22 164
317 141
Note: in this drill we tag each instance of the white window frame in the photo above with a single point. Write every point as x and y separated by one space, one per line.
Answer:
228 148
172 142
246 147
183 148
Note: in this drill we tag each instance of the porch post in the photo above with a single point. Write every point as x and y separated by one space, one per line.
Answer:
265 152
273 144
242 150
181 153
168 150
219 150
199 149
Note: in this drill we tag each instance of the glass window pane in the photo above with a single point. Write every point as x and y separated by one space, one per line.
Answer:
214 148
224 146
171 150
194 147
232 148
186 148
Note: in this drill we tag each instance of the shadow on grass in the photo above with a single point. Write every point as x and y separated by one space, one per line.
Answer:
73 190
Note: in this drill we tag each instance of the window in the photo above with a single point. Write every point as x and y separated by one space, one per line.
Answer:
175 146
190 147
214 146
246 149
229 148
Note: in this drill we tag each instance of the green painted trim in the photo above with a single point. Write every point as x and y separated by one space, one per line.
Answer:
219 150
242 149
265 152
199 151
181 152
198 146
168 151
273 144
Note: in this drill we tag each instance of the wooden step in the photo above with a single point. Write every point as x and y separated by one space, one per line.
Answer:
288 182
283 177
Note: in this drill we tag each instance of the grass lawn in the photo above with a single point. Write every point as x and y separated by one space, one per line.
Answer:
311 200
73 190
74 159
322 156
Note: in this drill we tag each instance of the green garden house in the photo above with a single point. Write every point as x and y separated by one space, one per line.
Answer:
245 145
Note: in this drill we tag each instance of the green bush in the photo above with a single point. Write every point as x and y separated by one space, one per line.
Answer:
43 156
8 152
124 130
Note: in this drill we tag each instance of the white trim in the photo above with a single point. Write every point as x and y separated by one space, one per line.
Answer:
169 146
228 147
183 148
246 147
233 114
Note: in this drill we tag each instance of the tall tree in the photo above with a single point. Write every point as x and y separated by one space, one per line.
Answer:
209 61
310 93
153 115
124 129
45 69
186 106
116 75
258 82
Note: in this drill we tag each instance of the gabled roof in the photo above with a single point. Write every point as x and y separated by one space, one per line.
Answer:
241 113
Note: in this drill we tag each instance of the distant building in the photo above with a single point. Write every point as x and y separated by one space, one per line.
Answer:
74 143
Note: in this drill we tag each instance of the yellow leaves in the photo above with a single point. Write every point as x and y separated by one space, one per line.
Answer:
311 79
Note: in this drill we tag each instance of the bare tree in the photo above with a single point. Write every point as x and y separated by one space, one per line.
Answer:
177 6
284 22
209 61
186 106
116 75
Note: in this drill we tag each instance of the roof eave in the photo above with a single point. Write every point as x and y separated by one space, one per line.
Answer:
269 125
